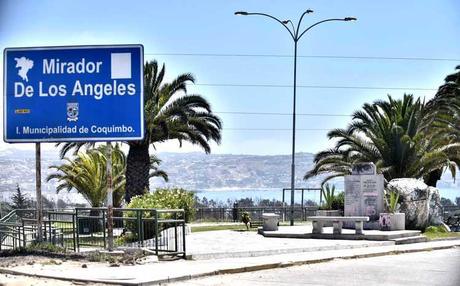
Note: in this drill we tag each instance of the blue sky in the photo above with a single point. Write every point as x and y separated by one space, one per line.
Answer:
420 29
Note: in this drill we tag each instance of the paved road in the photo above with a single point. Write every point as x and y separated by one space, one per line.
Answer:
440 267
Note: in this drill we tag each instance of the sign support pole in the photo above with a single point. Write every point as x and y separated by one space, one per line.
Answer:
109 197
38 189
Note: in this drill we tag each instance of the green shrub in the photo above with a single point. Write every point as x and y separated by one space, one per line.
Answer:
392 200
174 198
338 203
435 229
35 248
45 247
126 237
328 195
332 201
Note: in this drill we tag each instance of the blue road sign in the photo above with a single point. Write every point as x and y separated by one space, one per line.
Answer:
79 93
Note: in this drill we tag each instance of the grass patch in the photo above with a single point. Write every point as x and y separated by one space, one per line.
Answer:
434 236
125 258
439 232
42 249
220 227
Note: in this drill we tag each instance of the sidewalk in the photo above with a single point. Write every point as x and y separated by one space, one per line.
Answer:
170 271
234 244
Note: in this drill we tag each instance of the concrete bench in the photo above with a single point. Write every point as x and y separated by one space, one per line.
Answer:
337 222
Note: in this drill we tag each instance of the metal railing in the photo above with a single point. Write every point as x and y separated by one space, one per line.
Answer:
255 213
451 217
161 231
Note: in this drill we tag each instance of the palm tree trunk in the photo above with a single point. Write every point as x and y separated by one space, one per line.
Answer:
433 177
137 170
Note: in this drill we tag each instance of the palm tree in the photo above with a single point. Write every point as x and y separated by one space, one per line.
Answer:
444 109
447 98
168 115
392 135
87 174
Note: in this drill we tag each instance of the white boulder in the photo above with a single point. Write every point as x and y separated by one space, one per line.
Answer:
420 203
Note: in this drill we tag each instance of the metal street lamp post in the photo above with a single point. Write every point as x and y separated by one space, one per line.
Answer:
295 35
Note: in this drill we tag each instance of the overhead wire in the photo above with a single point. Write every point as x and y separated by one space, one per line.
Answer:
392 58
316 86
280 113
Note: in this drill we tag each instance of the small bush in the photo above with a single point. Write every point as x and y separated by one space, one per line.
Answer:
125 238
45 247
175 198
335 202
36 248
338 203
435 229
328 195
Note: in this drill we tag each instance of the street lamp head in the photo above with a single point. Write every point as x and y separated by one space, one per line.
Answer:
241 13
285 22
309 11
350 19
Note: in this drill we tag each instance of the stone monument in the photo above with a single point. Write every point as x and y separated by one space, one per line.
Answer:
364 194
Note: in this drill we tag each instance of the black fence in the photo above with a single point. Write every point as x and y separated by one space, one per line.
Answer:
452 217
161 231
60 226
255 213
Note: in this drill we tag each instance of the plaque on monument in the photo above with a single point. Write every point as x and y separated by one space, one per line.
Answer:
364 195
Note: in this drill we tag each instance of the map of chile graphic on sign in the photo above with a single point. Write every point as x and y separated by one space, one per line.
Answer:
74 93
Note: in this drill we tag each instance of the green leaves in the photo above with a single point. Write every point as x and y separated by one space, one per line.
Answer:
87 174
172 114
392 199
175 198
328 195
403 137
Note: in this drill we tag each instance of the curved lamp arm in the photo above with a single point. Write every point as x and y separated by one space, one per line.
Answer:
283 23
327 20
300 21
292 24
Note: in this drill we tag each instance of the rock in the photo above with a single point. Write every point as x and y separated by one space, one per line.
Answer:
147 259
420 203
84 266
445 227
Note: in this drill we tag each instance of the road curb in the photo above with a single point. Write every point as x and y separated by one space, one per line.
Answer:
291 264
243 269
15 272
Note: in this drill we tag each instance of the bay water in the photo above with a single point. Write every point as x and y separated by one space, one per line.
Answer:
228 194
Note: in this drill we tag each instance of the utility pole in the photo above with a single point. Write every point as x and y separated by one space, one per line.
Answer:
109 198
38 192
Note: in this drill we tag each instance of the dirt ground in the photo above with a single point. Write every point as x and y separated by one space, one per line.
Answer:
15 280
21 280
64 262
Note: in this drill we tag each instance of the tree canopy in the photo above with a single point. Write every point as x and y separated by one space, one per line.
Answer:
403 137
